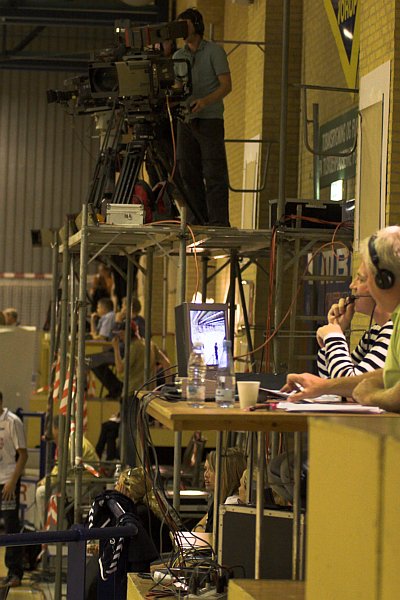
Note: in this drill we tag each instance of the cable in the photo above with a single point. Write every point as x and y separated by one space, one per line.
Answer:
196 263
271 334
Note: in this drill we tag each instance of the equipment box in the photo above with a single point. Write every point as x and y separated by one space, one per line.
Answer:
125 214
237 538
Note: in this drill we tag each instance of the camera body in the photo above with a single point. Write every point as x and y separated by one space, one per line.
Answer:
133 75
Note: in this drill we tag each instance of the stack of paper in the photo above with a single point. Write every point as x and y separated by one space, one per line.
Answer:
317 406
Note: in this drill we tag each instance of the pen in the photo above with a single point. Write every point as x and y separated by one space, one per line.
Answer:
267 406
299 388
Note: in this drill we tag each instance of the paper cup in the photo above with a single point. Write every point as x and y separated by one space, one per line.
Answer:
248 393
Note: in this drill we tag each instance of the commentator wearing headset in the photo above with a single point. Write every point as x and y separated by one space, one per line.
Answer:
335 360
381 387
334 356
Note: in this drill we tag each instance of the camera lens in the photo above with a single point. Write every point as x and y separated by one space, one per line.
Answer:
104 79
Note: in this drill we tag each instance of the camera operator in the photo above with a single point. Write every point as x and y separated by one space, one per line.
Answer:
200 147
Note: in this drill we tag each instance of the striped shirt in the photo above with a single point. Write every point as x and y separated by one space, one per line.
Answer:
335 359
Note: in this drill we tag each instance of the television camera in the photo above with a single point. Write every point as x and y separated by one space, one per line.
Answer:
137 83
134 75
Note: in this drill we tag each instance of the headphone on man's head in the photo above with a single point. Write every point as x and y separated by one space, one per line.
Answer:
196 17
384 278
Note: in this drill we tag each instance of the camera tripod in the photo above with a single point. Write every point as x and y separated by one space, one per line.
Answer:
150 146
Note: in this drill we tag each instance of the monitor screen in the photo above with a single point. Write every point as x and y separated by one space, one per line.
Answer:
209 328
205 323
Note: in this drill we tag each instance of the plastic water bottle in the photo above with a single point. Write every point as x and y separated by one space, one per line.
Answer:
196 386
117 472
226 380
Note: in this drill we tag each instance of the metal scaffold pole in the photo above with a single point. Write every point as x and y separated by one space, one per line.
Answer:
81 369
126 456
148 310
282 173
61 424
180 297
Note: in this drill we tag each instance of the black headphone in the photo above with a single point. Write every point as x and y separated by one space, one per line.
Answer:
196 17
384 279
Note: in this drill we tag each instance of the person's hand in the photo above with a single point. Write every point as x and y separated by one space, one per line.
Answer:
94 315
323 331
341 313
115 341
306 385
197 105
8 491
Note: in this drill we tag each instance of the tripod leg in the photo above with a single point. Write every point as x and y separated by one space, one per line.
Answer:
163 163
129 173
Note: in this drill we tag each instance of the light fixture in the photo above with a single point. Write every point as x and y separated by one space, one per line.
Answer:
337 190
347 33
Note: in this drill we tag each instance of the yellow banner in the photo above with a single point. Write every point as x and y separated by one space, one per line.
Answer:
344 20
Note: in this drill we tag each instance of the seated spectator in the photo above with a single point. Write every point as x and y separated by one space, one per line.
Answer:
11 317
88 455
136 307
108 438
112 382
233 463
100 361
139 488
102 285
106 576
102 322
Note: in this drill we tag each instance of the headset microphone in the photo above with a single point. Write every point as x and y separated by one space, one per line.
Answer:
384 278
352 298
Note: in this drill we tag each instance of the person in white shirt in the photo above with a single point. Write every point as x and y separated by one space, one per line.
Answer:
13 457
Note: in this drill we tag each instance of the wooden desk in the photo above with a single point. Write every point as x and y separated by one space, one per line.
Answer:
138 588
178 416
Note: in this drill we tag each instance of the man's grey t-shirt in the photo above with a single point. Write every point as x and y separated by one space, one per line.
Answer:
207 63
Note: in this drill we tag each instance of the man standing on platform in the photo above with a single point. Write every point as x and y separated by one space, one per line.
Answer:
381 255
201 147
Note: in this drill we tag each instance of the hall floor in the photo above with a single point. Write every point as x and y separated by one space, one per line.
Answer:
36 585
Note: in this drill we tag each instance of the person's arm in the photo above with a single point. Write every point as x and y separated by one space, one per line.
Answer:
369 355
224 88
119 363
93 327
372 393
315 386
165 364
201 525
9 487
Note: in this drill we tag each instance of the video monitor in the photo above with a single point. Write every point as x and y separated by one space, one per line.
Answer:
206 323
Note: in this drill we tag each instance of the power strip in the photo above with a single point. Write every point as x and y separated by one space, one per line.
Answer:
162 577
209 594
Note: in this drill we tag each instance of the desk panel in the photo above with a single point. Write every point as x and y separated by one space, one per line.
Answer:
178 416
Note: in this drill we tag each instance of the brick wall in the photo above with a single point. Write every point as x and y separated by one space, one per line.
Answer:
321 66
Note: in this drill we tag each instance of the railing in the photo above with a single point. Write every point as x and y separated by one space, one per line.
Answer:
76 539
